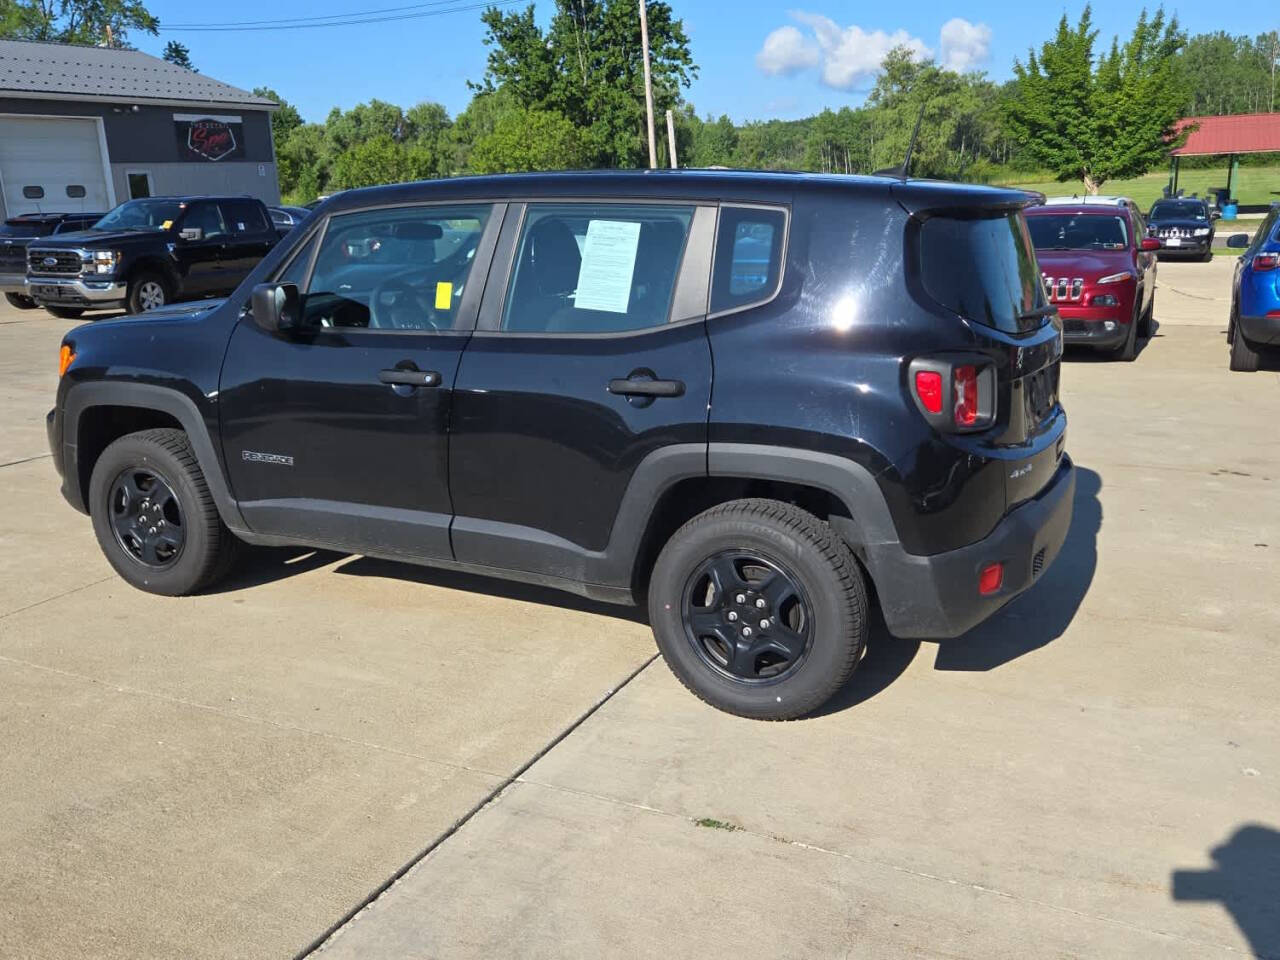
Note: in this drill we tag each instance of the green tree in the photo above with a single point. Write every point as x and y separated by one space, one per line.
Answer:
587 67
178 54
284 120
97 22
372 162
1095 123
714 142
529 139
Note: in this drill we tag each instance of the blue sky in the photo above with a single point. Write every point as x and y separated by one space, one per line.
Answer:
758 59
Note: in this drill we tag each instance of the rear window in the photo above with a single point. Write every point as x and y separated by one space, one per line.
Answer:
983 268
1077 231
20 228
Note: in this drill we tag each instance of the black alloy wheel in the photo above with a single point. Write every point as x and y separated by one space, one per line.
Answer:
747 617
146 518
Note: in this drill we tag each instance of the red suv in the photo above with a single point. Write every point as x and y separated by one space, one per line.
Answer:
1099 269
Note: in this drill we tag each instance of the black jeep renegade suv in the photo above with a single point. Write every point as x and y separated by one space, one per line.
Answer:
736 397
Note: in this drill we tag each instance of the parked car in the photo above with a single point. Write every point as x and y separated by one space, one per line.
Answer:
535 402
16 233
1184 226
1254 326
286 218
1099 270
149 252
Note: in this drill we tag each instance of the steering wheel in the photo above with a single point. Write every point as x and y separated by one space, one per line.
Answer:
399 304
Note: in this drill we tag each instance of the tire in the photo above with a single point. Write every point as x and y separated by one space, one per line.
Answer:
20 301
1147 327
1128 350
148 291
207 549
66 313
1244 359
818 607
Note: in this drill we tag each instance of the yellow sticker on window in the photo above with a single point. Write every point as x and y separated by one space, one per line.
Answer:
444 296
166 225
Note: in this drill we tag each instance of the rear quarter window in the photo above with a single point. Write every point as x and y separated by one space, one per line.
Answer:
983 268
748 263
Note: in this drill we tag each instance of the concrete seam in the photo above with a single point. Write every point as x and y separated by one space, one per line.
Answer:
14 463
59 596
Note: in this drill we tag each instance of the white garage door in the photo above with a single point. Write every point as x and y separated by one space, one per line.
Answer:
51 164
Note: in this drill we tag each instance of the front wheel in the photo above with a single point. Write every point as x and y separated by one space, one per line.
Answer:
154 517
1147 328
759 609
20 301
147 291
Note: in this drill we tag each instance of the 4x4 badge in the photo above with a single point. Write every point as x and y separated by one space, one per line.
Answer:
277 458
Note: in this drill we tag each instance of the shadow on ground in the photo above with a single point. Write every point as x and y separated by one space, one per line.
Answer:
1246 881
1084 354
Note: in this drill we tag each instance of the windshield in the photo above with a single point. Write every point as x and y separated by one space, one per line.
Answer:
20 228
1179 210
141 215
984 269
1073 231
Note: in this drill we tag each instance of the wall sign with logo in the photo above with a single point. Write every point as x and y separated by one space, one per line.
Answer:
208 138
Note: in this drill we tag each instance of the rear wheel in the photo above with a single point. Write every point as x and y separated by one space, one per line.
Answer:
1244 358
154 517
147 291
66 313
20 301
759 609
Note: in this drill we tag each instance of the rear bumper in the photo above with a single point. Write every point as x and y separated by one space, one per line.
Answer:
74 291
936 597
1263 331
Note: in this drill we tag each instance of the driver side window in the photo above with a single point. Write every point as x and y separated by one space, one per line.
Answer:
401 268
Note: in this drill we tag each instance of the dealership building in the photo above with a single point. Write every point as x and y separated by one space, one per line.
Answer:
84 128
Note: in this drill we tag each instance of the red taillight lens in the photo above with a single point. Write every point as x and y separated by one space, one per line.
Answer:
965 391
1266 261
991 579
929 390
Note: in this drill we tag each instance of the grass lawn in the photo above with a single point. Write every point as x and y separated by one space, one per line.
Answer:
1254 185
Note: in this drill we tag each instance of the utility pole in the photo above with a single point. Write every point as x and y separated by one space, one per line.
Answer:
648 85
671 139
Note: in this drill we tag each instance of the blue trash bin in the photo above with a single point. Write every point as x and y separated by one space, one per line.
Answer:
1229 210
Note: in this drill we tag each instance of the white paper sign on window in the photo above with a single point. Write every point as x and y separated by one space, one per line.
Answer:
608 263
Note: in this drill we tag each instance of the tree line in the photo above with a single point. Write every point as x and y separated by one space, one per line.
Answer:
571 95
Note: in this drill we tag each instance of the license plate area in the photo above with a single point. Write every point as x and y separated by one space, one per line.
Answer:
1173 242
48 291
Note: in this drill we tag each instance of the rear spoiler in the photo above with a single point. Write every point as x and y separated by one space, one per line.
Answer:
923 198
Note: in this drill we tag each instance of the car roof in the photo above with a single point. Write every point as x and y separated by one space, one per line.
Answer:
1086 209
47 217
707 185
1089 200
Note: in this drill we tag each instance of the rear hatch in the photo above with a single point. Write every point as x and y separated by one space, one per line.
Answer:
977 261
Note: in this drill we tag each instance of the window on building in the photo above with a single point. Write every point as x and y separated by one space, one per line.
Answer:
33 193
75 191
139 185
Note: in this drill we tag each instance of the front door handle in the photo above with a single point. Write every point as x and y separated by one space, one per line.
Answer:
410 378
629 387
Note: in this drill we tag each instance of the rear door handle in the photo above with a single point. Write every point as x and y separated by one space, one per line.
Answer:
629 387
410 378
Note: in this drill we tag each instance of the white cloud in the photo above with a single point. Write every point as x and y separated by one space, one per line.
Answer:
786 50
964 45
850 56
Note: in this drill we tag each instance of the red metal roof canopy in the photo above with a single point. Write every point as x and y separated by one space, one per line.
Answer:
1244 133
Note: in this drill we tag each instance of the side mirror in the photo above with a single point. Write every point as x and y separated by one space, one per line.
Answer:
190 233
1215 215
277 307
1238 241
1149 244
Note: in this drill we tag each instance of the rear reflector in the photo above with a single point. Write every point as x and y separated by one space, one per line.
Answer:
991 579
929 389
1266 261
966 394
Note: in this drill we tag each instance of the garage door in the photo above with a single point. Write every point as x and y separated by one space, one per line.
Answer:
52 165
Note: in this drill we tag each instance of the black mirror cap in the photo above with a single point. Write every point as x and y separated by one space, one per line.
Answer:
1238 241
277 306
1215 215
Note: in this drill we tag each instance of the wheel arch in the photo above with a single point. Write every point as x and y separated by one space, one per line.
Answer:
154 264
98 413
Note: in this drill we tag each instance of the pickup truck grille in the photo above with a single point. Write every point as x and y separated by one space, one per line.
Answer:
54 263
1063 288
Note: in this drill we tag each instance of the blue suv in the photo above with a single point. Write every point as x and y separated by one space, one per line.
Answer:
1255 295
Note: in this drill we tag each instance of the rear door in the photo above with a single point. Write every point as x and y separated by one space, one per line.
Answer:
591 353
250 236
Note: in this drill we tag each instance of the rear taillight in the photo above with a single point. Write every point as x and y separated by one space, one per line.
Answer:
1266 261
956 395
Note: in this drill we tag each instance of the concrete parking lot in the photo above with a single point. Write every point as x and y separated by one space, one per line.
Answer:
1095 772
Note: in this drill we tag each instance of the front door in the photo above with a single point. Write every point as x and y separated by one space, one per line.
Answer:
589 356
200 260
336 432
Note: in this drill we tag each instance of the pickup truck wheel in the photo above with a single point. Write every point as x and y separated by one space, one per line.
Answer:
759 609
20 301
147 291
65 313
154 517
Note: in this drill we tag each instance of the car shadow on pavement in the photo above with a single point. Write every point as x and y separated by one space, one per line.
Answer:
1044 612
489 586
257 566
1076 353
1246 881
